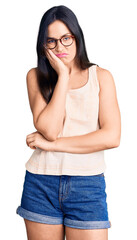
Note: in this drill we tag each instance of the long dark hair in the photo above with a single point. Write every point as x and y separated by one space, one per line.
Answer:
46 75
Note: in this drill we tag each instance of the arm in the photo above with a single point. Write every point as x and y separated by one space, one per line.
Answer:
48 118
108 136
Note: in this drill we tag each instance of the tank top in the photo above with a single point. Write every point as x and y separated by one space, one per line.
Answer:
82 107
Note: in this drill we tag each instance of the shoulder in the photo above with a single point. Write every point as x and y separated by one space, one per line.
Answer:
104 77
31 73
31 79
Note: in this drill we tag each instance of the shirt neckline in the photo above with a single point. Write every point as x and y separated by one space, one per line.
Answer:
83 87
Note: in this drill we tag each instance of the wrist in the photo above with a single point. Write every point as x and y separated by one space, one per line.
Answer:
64 74
56 145
52 146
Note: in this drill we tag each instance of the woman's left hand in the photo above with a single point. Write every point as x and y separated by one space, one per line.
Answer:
36 139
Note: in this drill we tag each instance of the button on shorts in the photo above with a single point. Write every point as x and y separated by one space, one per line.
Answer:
75 201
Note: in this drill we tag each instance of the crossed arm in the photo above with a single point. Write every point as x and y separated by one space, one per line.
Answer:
88 143
108 136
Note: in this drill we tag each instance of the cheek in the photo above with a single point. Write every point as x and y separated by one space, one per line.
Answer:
73 52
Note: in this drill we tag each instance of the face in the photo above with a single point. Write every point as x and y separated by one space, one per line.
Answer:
56 30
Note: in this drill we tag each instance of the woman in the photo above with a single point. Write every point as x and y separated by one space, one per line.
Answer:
76 114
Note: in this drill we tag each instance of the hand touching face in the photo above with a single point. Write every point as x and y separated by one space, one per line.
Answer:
55 62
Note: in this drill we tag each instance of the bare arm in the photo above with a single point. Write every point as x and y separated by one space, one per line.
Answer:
108 136
48 118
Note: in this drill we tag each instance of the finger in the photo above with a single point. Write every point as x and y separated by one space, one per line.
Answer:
29 140
27 143
46 50
52 54
48 54
32 145
32 134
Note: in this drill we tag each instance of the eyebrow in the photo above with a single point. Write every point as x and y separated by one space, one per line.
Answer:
61 36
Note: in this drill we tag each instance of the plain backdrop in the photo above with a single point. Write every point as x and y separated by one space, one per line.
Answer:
109 29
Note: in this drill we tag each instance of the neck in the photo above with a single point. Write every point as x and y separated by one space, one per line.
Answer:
73 68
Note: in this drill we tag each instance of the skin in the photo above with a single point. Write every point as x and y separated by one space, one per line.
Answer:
68 63
107 137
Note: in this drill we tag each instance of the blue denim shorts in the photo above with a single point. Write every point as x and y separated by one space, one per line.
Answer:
75 201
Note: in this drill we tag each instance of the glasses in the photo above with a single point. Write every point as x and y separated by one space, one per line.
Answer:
66 40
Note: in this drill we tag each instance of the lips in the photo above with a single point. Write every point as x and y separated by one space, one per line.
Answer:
61 54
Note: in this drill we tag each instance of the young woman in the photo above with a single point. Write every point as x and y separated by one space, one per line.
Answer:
77 117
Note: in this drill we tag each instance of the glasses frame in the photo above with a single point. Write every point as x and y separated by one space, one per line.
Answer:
60 39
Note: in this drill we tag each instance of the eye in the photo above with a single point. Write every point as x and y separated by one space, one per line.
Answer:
66 38
50 41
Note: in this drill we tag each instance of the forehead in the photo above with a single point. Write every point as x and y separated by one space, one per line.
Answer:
57 29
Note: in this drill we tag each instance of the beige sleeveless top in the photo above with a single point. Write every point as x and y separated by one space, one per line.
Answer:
82 106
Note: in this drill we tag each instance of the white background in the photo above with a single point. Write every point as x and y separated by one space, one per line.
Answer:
109 29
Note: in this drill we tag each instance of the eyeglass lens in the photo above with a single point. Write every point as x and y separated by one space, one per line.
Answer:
65 40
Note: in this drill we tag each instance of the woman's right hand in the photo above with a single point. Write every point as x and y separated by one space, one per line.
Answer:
56 63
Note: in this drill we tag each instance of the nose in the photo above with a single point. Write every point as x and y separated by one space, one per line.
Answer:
59 46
